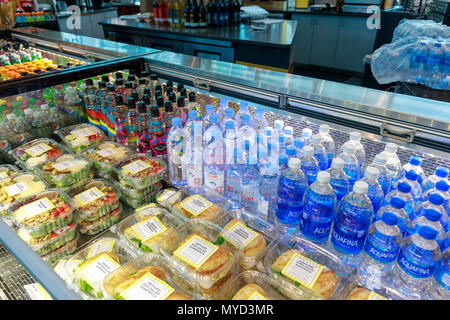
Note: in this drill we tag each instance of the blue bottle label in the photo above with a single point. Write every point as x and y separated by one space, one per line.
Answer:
413 269
315 230
383 256
349 242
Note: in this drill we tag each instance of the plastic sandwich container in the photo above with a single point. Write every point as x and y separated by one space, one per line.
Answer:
93 227
80 136
168 197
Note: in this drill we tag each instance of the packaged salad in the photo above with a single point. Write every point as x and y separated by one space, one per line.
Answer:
61 252
136 193
149 277
143 199
140 171
42 213
7 170
92 227
80 136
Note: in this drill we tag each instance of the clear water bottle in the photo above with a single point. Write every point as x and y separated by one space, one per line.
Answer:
392 162
282 163
440 173
266 142
267 200
375 192
397 207
403 191
384 177
233 176
259 123
288 133
291 188
380 251
192 116
435 56
175 151
229 115
435 201
281 144
306 136
442 188
414 165
246 136
418 58
446 243
355 140
327 142
194 160
243 109
298 144
209 111
319 209
214 156
416 262
250 182
351 224
278 128
319 152
309 164
291 151
416 190
351 164
431 218
339 180
439 286
221 111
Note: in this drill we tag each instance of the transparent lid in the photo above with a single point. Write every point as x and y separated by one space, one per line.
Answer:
63 166
168 197
107 153
80 136
92 227
6 170
94 195
65 250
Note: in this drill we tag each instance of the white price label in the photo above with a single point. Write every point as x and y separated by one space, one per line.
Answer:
34 208
196 251
136 167
17 188
148 229
244 234
37 150
90 195
36 292
97 270
64 165
83 132
105 153
195 205
147 287
302 270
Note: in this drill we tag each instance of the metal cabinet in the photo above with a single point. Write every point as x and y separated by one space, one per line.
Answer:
303 38
209 52
324 38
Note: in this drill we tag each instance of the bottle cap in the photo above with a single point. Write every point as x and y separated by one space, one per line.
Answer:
268 131
229 112
245 118
153 76
243 106
131 103
180 102
105 78
89 82
282 159
281 139
442 185
160 102
192 114
291 151
360 187
411 175
324 128
110 88
229 125
436 199
209 108
306 133
142 107
102 84
316 138
154 112
180 86
294 163
131 77
389 218
355 136
404 187
432 214
372 173
308 151
441 172
145 74
172 97
391 147
278 124
169 83
428 233
176 122
168 106
349 148
119 75
119 99
192 96
119 82
397 202
298 143
259 112
213 118
415 160
380 159
148 91
142 81
288 130
158 87
337 163
128 84
224 102
323 177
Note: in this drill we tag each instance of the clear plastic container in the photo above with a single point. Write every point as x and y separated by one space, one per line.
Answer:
7 170
305 269
62 251
95 226
60 267
105 156
216 264
50 242
140 171
95 199
96 261
355 292
168 197
38 152
144 199
251 285
42 213
67 171
80 136
148 209
133 193
255 236
150 270
144 230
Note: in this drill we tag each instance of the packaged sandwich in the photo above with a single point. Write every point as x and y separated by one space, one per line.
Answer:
199 247
198 206
360 293
136 194
143 199
168 197
139 171
149 277
80 136
92 227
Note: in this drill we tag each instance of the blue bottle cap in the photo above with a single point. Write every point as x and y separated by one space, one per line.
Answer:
404 187
415 160
282 139
411 175
432 214
441 172
209 108
243 106
176 122
246 145
192 114
428 233
229 125
436 199
397 202
229 112
245 118
290 151
214 118
442 185
299 143
259 112
389 218
282 159
268 132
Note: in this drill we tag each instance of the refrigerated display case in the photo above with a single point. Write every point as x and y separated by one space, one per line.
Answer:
419 126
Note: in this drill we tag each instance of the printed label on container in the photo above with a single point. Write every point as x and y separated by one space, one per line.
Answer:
147 287
34 208
38 150
195 205
35 291
244 234
17 188
148 229
135 167
105 153
375 296
90 195
215 181
98 269
256 296
64 165
302 270
382 256
194 176
101 246
83 132
414 269
196 251
150 209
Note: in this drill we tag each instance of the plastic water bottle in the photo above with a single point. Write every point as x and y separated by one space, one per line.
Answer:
327 142
229 115
299 144
230 141
355 140
416 262
339 180
266 144
175 151
403 191
306 136
384 177
243 109
309 164
250 182
233 176
392 162
319 152
209 111
278 128
435 56
446 243
416 190
288 133
442 188
351 164
440 173
418 58
397 207
281 144
259 123
291 151
214 156
375 192
194 165
319 209
267 200
282 163
192 116
431 218
246 136
223 106
351 224
439 286
291 188
414 165
435 201
380 250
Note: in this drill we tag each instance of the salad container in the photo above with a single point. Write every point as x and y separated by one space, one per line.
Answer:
60 267
132 280
7 170
93 227
140 171
305 269
80 136
95 199
145 229
213 264
144 199
61 252
42 213
136 193
105 156
168 197
90 266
